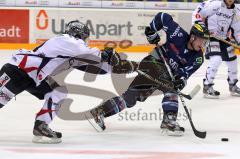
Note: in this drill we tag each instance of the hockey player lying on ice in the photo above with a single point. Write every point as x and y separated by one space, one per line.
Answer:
183 53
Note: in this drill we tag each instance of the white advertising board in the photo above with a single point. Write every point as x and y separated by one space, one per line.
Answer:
35 3
80 3
7 2
122 4
169 5
105 24
101 4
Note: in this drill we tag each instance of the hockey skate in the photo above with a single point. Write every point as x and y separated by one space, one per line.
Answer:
43 134
170 126
209 92
96 119
234 90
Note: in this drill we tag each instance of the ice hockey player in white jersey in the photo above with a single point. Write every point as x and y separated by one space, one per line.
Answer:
32 71
221 18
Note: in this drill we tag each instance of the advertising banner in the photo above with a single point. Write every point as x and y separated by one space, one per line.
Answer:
166 5
47 3
104 25
101 4
80 3
26 3
7 2
14 26
122 4
121 27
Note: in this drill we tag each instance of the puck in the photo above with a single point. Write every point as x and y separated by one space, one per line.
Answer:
224 139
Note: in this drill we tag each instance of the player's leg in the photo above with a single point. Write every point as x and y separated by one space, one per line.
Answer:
233 78
12 82
214 63
5 82
169 124
127 100
54 97
139 90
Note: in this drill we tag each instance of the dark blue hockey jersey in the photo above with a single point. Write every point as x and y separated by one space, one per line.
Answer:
183 62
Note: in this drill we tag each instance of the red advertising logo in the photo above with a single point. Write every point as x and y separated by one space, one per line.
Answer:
42 20
14 26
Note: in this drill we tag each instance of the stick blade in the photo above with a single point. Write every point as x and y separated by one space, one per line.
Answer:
200 134
195 90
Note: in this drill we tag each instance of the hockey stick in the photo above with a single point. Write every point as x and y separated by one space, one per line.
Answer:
189 96
195 131
227 42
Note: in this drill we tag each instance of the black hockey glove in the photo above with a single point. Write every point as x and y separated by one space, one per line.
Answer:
110 56
125 67
180 82
152 36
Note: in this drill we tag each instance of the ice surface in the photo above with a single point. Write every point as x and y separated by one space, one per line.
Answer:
134 134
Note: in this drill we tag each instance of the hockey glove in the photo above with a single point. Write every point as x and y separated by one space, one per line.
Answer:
110 56
125 67
180 82
152 36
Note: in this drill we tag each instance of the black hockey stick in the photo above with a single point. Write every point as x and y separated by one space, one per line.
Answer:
199 134
189 96
195 131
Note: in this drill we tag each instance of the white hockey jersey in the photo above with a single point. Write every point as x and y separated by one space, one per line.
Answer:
54 56
219 18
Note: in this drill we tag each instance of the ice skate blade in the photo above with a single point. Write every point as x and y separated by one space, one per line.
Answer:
235 94
46 140
90 119
172 133
210 96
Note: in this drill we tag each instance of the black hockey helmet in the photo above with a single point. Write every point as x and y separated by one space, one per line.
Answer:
200 30
77 30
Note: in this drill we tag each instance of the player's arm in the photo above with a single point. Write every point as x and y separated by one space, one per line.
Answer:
109 56
204 10
160 21
119 65
235 27
196 16
96 57
185 72
165 22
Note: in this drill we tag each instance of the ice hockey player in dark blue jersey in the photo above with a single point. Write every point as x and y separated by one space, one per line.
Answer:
183 53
